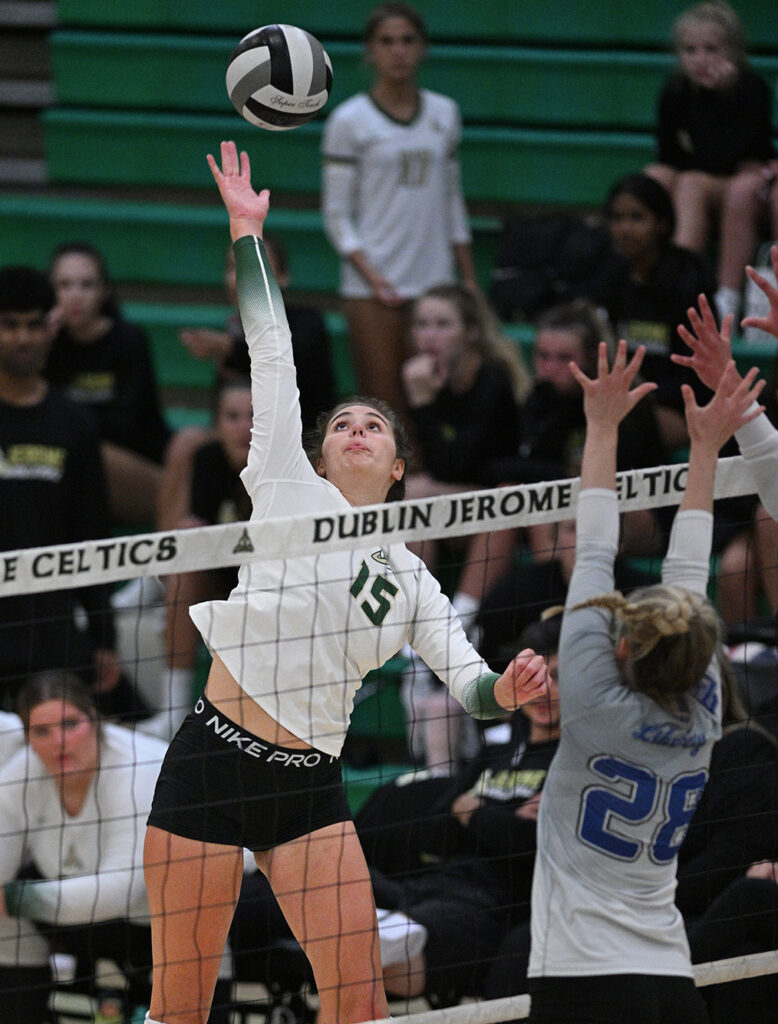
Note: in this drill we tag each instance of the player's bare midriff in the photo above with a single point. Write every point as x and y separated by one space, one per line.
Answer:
224 693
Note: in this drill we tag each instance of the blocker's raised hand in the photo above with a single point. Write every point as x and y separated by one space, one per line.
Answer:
246 207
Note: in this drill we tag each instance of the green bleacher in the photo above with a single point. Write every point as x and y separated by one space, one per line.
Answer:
554 109
629 23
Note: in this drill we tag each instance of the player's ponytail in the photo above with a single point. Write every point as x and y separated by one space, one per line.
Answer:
672 635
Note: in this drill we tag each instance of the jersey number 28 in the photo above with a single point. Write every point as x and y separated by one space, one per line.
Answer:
632 797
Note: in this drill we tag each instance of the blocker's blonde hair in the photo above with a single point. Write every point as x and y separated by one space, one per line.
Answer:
672 634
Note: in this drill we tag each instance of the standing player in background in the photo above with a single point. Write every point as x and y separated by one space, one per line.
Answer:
640 693
256 764
392 198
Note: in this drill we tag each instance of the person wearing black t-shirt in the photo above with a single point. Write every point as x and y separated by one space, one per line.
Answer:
714 119
52 491
103 363
310 340
646 289
456 855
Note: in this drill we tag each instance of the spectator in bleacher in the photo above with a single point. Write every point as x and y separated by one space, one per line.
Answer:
714 119
743 919
456 855
551 441
462 385
227 348
73 804
392 198
102 361
310 341
647 289
647 294
216 495
52 491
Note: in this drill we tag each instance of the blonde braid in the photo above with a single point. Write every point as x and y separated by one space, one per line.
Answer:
651 616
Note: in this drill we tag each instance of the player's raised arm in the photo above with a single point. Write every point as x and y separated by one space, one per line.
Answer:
247 208
608 398
711 426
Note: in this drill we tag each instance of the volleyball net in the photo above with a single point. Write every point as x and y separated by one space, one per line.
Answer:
155 576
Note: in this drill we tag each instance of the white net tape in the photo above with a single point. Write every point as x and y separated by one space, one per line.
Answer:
112 560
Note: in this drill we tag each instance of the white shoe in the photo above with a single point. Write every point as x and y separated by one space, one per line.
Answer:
400 938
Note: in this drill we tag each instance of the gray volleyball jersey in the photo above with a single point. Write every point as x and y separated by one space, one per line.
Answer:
624 782
299 635
758 442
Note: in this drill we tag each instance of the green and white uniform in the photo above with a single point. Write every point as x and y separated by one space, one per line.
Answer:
299 635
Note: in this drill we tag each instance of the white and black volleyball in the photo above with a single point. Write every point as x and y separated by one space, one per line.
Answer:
279 76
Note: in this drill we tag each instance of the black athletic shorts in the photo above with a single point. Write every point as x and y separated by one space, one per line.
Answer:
221 784
616 999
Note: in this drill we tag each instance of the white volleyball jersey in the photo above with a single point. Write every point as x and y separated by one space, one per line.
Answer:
11 736
393 190
299 635
92 862
624 782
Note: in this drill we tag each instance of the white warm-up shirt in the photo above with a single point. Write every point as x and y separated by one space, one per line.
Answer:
393 190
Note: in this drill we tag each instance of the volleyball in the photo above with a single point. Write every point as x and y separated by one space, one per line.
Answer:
278 77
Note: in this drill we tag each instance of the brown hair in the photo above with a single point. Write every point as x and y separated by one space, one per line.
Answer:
488 339
672 635
391 9
314 440
55 685
581 318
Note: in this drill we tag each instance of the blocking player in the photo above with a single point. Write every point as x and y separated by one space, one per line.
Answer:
640 697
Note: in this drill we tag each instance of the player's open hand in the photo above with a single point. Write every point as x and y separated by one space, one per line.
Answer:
525 679
732 406
610 396
711 348
767 323
246 207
